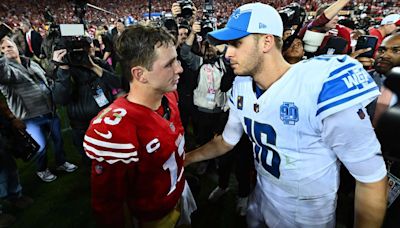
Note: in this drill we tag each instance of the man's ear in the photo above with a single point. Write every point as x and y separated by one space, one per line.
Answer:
268 42
138 74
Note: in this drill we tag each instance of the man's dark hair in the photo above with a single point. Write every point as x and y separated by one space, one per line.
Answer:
137 46
289 41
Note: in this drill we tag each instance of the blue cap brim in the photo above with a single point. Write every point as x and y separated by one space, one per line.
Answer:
226 34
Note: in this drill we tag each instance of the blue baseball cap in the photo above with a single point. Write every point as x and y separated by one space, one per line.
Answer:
253 18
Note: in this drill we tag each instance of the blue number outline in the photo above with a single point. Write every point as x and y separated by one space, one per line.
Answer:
254 130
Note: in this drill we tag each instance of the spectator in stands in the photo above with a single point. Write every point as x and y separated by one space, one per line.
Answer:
388 25
33 40
286 33
85 90
115 33
293 49
28 94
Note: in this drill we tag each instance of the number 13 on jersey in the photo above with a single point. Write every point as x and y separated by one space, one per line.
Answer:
263 137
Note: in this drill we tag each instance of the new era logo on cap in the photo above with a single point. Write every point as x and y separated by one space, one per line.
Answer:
253 18
262 26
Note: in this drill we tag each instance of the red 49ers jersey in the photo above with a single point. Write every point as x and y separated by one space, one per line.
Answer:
137 158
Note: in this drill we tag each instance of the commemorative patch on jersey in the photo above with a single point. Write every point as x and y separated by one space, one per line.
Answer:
289 113
239 103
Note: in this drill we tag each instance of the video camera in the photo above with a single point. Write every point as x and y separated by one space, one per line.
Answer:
206 22
77 45
292 14
186 8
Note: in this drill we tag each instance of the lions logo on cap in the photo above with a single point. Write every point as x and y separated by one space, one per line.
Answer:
236 14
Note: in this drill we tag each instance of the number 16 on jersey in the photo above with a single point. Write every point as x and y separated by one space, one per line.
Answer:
263 135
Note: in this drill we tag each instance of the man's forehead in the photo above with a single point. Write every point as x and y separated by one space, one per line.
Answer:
165 50
8 42
392 39
390 46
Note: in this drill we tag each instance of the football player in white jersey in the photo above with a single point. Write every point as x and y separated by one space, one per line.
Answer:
304 120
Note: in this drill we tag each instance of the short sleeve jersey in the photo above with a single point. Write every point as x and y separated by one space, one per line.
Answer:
286 121
147 151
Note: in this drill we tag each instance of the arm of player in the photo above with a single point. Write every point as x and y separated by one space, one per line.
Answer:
350 135
214 148
370 203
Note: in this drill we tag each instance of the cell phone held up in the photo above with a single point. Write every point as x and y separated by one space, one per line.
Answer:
364 42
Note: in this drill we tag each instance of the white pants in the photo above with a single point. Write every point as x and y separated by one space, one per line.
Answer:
274 212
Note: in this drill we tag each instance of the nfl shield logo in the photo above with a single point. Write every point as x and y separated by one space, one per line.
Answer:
256 108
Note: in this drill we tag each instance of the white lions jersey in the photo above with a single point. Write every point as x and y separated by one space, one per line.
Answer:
285 124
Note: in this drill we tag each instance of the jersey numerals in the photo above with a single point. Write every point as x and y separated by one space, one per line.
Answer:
117 115
172 165
264 137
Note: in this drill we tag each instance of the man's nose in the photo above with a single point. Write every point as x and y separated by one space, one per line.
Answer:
179 68
229 52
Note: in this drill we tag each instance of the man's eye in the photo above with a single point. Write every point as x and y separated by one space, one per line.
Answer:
234 43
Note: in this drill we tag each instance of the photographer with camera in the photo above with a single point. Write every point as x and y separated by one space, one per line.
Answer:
187 82
85 88
28 94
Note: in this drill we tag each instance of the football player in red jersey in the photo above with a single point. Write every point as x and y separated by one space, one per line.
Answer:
137 143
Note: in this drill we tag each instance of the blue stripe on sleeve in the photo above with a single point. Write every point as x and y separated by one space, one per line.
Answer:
340 69
334 88
343 84
230 96
344 100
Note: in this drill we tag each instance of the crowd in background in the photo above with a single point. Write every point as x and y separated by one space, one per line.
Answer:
14 11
